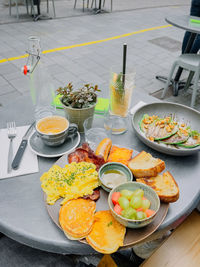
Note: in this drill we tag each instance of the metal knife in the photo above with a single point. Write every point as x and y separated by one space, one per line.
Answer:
21 149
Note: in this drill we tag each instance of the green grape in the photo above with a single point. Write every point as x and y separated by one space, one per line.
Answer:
136 202
129 213
138 193
123 202
123 213
146 204
127 193
140 215
133 217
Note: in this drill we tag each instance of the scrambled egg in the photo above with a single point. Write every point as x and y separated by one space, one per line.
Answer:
73 181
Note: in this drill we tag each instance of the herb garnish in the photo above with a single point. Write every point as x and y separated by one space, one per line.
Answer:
110 223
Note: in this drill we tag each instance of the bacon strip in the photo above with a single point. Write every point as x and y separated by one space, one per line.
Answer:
95 196
85 153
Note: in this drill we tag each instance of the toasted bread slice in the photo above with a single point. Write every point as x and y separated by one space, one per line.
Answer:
164 185
144 165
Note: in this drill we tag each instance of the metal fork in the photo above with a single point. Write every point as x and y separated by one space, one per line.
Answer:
11 135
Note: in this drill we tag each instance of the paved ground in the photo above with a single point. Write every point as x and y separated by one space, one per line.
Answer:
150 53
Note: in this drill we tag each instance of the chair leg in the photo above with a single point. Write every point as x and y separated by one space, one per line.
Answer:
54 10
27 7
195 87
88 3
103 3
17 9
10 3
190 77
92 3
168 80
83 5
111 5
47 6
32 8
75 3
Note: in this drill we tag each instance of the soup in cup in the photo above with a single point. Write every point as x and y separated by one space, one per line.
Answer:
54 130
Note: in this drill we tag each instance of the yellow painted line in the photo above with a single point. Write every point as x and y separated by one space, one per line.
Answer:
13 58
88 43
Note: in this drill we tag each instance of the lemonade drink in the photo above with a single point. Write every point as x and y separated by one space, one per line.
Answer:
121 88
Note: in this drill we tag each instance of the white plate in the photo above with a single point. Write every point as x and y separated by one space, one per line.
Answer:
133 236
40 149
185 114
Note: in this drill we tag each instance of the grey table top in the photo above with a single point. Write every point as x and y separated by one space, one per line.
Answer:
23 216
183 22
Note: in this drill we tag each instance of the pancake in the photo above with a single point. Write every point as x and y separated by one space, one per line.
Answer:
107 234
76 217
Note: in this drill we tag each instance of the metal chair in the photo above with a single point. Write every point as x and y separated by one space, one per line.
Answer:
190 62
111 4
16 4
83 4
95 4
54 11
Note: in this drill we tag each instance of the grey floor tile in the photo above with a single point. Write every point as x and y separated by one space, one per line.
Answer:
6 89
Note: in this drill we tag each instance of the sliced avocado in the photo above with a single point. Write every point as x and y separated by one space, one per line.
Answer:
193 140
158 133
141 123
175 139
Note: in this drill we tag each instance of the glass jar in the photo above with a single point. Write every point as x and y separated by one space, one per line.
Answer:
41 85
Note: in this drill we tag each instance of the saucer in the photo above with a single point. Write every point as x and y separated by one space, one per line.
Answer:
39 148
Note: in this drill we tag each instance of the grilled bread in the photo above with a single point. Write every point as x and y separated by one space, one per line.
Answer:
144 165
120 154
164 185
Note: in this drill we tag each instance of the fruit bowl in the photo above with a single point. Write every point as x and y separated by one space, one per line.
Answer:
149 194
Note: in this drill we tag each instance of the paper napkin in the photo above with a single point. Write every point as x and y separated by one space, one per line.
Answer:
29 161
137 106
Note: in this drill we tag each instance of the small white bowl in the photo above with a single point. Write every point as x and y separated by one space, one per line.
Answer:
114 166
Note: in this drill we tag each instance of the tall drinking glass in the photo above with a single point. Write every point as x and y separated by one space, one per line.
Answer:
121 89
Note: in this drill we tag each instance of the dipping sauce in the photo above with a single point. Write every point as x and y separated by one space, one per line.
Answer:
113 178
52 125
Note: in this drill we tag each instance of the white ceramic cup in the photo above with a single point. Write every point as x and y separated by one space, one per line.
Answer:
52 134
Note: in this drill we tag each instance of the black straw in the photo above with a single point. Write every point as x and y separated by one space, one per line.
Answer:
124 61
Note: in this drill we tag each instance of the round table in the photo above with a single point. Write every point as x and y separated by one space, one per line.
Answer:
183 22
23 216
